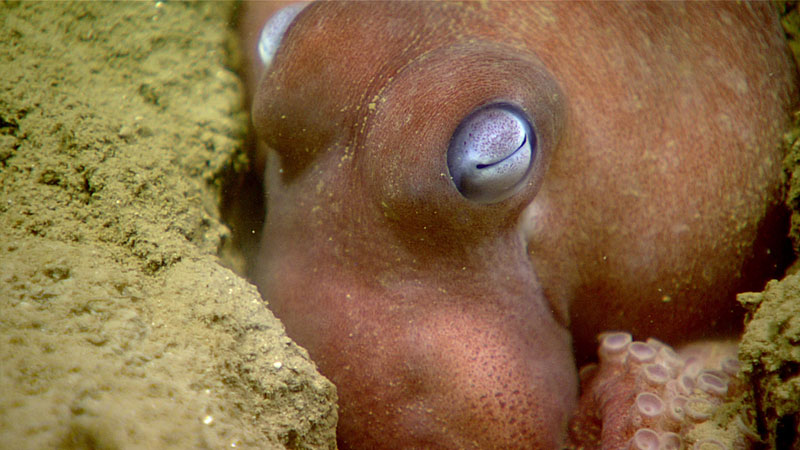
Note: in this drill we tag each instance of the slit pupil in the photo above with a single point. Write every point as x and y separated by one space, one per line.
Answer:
483 166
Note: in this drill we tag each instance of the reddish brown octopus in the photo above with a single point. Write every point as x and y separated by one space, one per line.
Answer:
462 197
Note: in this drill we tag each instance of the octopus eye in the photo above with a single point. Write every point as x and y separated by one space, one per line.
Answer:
491 153
272 32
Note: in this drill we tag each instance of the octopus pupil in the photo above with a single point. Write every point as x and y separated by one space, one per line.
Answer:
483 166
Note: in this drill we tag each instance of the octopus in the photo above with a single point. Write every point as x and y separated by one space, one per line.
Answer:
463 199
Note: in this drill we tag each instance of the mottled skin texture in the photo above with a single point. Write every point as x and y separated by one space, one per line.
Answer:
446 323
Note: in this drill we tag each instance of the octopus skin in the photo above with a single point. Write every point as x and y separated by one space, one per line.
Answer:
461 197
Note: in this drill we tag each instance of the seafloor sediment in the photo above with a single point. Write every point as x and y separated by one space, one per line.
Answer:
119 326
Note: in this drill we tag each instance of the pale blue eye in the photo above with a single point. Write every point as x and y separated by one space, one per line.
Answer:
491 153
273 31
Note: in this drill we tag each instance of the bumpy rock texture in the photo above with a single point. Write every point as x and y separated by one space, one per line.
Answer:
770 353
119 326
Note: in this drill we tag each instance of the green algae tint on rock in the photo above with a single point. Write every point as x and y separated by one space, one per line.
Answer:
770 356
